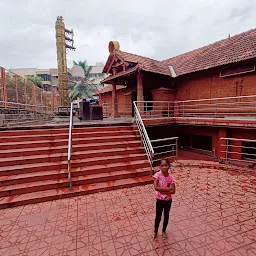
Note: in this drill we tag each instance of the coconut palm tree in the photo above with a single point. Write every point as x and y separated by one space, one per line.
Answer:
83 64
80 90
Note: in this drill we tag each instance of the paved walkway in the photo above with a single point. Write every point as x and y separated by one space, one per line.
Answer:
213 213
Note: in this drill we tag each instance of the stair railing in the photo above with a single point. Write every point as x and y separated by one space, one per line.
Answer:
70 145
144 135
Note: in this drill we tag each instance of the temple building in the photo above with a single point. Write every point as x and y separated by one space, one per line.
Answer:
211 90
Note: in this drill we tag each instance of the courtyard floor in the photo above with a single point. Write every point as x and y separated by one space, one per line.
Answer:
213 213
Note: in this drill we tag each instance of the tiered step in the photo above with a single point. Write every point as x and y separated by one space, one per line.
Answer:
33 163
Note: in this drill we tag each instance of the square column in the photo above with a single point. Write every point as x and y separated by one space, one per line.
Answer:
114 101
140 96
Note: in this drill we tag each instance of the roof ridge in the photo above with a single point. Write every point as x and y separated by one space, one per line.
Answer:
205 46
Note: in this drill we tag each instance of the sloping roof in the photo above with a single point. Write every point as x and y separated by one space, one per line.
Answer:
230 50
145 63
108 88
122 73
141 62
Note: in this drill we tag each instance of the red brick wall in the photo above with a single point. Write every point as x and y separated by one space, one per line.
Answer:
208 84
124 101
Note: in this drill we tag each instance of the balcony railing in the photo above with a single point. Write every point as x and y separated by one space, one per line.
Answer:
241 107
123 110
234 150
228 107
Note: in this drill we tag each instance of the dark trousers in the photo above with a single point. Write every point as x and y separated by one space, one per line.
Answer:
161 206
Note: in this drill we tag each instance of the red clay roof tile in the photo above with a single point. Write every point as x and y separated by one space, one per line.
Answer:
145 63
230 50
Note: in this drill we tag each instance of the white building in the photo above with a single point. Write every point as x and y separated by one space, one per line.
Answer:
50 76
96 74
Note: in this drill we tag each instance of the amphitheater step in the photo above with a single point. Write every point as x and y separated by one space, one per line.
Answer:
64 136
33 163
41 185
58 157
56 143
53 194
20 178
63 148
41 132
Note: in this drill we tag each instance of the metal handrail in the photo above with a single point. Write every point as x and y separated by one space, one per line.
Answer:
70 145
227 145
144 135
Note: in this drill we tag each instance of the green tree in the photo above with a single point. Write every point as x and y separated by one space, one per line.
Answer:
37 80
83 64
80 90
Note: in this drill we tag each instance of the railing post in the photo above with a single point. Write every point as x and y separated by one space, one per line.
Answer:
4 91
226 155
176 142
16 89
25 92
70 146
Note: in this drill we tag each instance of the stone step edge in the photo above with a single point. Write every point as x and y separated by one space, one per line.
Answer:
85 179
37 197
99 144
119 151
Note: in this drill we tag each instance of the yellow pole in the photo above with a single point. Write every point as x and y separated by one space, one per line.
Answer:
62 62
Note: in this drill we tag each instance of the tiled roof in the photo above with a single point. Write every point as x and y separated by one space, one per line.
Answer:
230 50
145 63
108 88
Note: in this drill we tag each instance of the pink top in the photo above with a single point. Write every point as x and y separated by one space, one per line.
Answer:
163 183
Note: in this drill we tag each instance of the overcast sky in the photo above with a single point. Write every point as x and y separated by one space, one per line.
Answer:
158 29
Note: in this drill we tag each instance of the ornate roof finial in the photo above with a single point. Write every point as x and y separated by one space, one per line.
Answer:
113 46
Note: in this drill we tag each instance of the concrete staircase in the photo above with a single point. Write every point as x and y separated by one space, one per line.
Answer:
33 163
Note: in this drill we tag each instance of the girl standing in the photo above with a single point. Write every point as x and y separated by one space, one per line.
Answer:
165 187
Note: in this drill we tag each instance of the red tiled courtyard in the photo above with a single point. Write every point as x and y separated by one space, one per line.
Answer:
213 213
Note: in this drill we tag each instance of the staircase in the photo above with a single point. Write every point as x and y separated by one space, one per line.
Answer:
33 163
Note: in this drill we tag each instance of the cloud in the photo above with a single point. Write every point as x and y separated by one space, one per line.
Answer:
153 28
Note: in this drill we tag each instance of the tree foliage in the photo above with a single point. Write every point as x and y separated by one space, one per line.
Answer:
37 80
80 90
83 64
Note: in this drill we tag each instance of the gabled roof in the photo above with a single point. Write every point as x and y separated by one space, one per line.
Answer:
230 50
140 62
145 63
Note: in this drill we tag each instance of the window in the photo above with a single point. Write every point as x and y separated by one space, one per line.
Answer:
237 70
45 77
249 150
